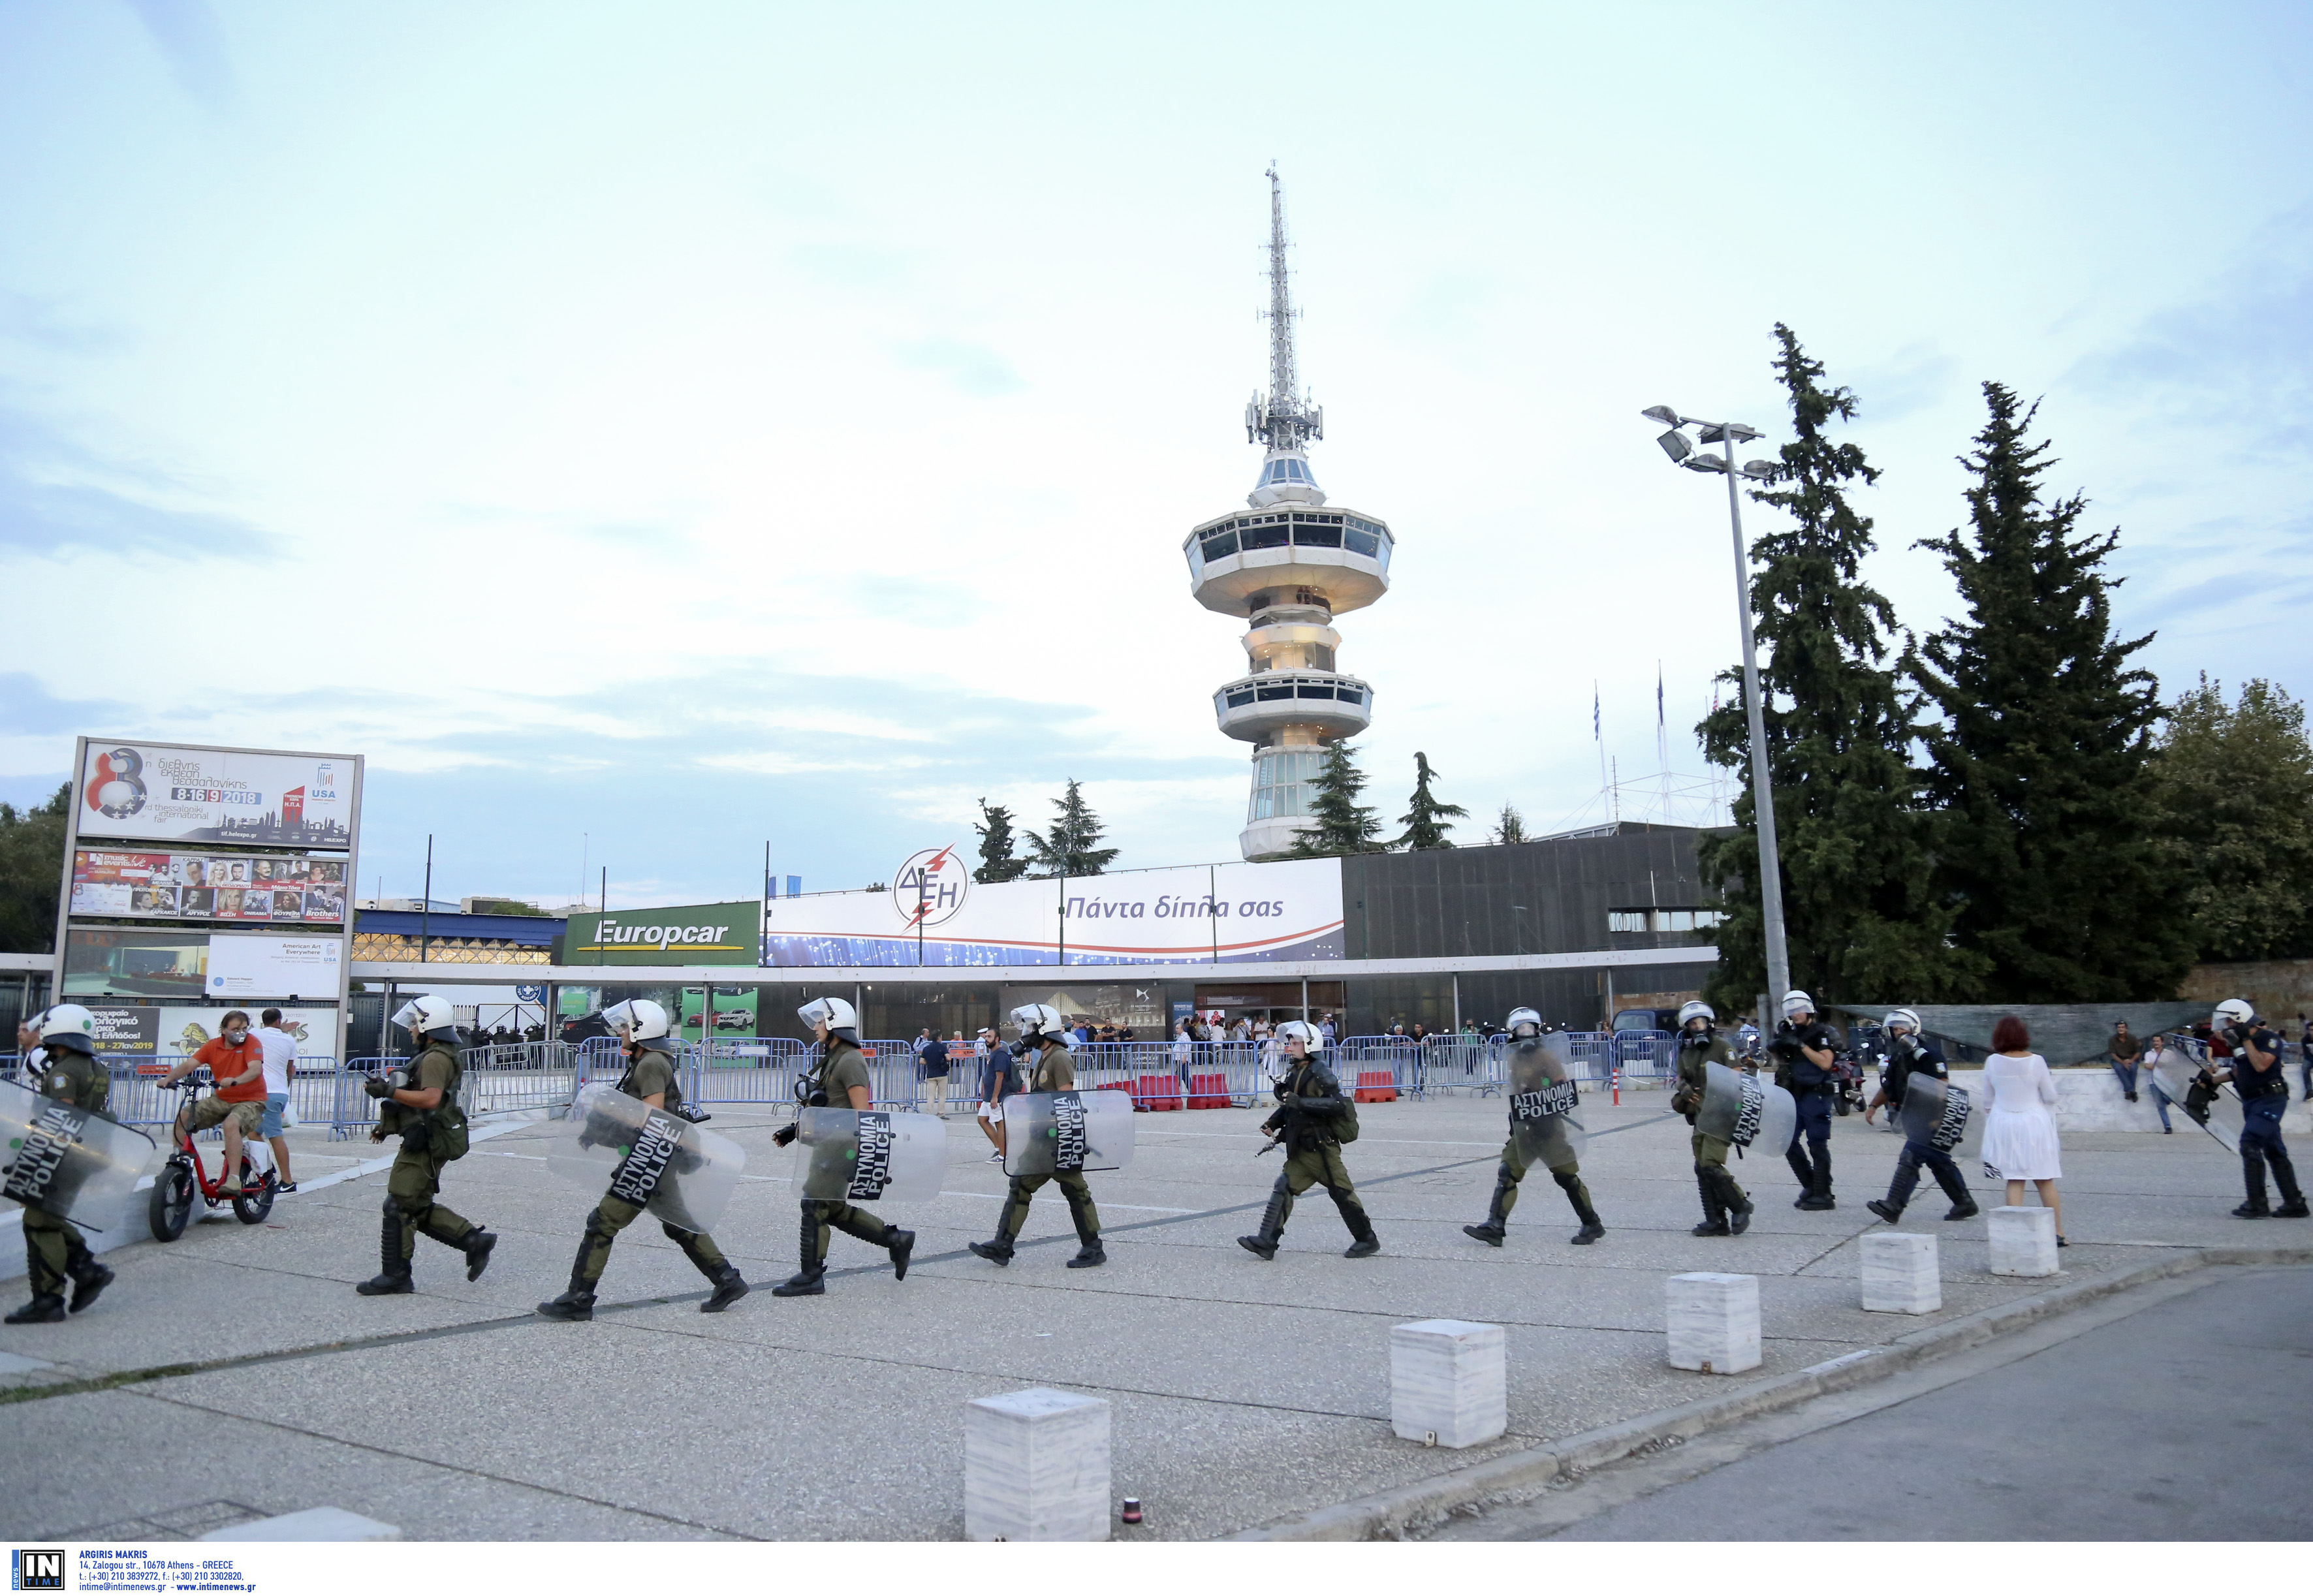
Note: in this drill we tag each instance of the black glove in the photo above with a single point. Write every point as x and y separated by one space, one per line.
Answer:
377 1086
784 1136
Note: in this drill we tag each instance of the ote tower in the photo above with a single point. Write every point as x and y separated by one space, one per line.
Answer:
1288 565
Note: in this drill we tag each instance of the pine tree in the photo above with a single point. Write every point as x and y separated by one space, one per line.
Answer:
1859 918
2233 788
1066 849
1427 822
997 862
31 867
1339 824
2039 764
1509 827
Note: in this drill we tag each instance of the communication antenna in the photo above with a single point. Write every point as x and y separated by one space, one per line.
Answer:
1282 418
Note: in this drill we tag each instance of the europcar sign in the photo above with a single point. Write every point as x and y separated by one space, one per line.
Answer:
689 934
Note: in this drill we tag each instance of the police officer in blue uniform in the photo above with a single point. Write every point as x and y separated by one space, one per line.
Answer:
1803 1051
1907 1057
2263 1088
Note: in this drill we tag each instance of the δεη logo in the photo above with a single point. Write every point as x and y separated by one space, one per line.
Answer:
930 888
37 1570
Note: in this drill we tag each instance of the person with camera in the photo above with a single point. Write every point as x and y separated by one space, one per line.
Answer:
62 1066
650 1079
1725 1208
2255 1070
1909 1058
235 1061
418 1102
840 1080
1313 1119
1806 1065
1533 1069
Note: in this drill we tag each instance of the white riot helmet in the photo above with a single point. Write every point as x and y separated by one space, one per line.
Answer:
429 1016
838 1016
1523 1017
1312 1041
1796 1004
2233 1011
1903 1017
1696 1010
1042 1022
637 1020
68 1025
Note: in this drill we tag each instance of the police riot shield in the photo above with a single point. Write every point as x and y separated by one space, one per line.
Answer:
1748 1110
1062 1133
869 1155
620 1146
65 1161
1942 1115
1545 1115
2215 1109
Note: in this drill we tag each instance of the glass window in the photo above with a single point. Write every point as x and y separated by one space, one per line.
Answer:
1626 920
1317 537
1239 700
1280 784
1295 468
1219 545
1273 535
1266 694
1311 689
1364 543
1349 696
1386 545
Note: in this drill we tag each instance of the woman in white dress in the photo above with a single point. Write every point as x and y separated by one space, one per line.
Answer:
2019 1137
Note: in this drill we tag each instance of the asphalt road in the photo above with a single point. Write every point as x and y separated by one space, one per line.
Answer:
2190 1420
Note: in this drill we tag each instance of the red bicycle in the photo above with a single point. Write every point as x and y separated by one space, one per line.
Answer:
184 1177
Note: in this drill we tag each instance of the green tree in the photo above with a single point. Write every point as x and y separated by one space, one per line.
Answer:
2232 786
1861 919
1068 848
1427 822
996 862
1510 826
31 866
1339 824
2039 764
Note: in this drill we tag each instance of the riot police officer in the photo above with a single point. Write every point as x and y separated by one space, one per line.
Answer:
838 1079
1311 1117
1045 1065
1725 1208
1805 1066
650 1078
1532 1067
2258 1078
418 1102
66 1068
1909 1058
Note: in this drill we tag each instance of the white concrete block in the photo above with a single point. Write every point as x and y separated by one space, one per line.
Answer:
314 1523
1900 1273
2023 1241
1448 1381
1714 1322
1035 1467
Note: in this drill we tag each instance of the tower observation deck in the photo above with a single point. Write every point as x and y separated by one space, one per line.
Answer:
1289 564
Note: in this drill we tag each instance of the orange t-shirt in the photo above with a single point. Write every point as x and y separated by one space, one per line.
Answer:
225 1061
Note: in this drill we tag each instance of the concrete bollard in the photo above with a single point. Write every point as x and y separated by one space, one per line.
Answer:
314 1523
1714 1322
1035 1467
1448 1381
2023 1241
1900 1273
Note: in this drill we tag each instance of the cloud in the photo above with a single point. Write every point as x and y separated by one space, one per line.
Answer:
57 498
28 709
189 39
42 322
1912 379
974 368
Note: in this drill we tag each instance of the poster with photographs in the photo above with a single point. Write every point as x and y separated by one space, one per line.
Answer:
208 886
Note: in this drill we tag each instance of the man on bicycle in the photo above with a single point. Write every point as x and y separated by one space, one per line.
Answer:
236 1065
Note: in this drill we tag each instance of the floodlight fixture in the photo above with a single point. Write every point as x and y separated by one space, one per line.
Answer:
1704 462
1675 444
1759 470
1662 412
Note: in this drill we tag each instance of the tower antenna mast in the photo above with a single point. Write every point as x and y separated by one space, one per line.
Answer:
1282 419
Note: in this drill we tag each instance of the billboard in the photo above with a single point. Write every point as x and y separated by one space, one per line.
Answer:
155 792
128 1034
687 934
173 886
1190 914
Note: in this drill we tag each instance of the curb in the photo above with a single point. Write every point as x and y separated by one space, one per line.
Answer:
1387 1515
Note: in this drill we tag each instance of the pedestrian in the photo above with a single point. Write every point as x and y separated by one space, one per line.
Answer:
1184 1051
236 1061
839 1080
1314 1121
2305 1057
2160 1100
2122 1053
1912 1064
1326 1029
1048 1068
1805 1066
2262 1087
998 1081
932 1063
1726 1209
280 1069
651 1079
1542 1097
63 1069
2019 1135
418 1102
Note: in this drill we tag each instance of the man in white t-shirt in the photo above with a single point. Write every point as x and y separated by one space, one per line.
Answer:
280 1069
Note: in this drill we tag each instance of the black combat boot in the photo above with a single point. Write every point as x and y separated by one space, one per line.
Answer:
1090 1253
1579 1194
476 1245
1819 1196
1731 1199
1796 1156
46 1308
577 1303
730 1285
1363 1242
2284 1176
1498 1210
1955 1188
1714 1211
1899 1190
89 1277
392 1278
810 1278
902 1245
999 1250
2253 1177
1262 1243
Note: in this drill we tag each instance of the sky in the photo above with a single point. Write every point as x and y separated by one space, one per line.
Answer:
649 433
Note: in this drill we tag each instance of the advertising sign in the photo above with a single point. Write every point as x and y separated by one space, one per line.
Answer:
151 792
129 1034
689 934
733 1013
257 967
1195 913
175 886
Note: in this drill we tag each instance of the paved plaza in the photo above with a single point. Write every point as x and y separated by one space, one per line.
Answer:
1245 1393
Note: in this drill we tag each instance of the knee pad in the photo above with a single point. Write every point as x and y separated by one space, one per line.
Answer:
677 1234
